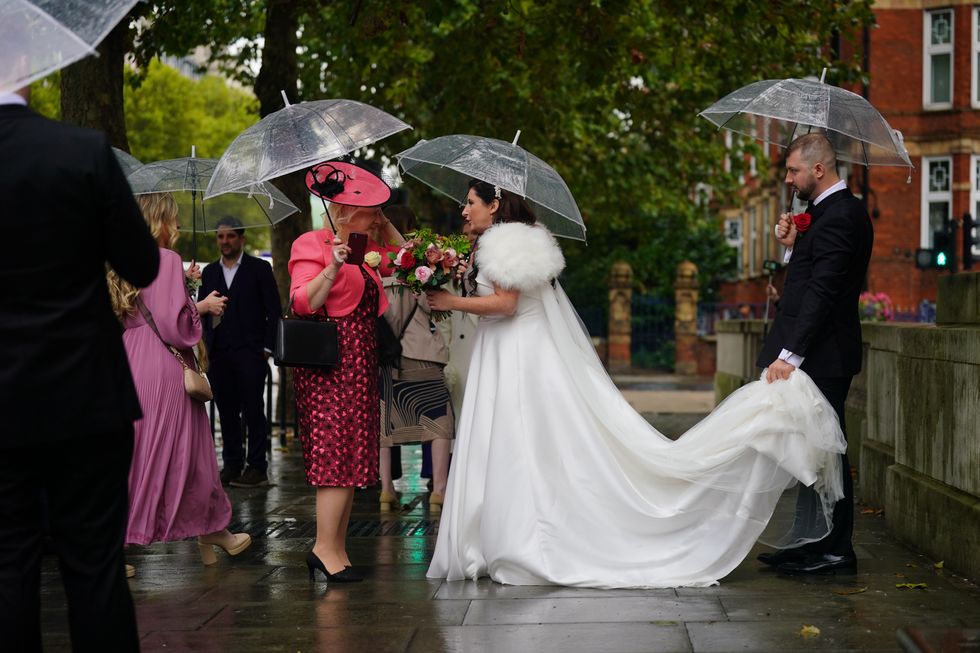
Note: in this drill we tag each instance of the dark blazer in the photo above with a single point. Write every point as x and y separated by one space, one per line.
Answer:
67 210
817 316
252 314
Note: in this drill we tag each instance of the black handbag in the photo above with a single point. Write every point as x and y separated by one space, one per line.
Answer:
305 343
389 344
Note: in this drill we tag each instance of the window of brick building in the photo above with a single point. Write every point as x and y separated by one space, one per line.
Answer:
975 194
975 48
937 87
937 196
768 240
753 241
733 234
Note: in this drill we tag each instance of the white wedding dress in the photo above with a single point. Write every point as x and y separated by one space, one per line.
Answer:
555 478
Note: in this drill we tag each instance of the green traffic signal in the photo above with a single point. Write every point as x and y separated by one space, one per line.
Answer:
940 259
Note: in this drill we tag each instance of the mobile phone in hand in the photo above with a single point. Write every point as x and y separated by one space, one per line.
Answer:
357 241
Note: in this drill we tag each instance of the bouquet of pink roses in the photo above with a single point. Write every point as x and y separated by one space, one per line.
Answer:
428 261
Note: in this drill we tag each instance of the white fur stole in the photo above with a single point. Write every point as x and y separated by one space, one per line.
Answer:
517 256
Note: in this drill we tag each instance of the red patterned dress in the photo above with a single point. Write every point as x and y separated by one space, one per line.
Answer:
339 408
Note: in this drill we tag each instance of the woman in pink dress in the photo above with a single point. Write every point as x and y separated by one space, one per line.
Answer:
339 407
174 487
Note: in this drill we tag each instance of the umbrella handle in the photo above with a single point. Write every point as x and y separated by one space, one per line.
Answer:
326 212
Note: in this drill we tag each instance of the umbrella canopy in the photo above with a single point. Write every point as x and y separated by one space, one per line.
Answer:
298 137
38 37
777 111
448 163
259 206
127 161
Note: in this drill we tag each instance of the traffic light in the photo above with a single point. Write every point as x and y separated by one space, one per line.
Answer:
942 247
941 254
971 239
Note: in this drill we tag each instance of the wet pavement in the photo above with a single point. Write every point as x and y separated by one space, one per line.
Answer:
262 600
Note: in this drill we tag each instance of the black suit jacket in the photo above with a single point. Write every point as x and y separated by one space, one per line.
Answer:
817 316
66 211
252 314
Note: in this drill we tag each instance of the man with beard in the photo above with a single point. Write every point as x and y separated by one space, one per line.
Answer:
239 346
817 328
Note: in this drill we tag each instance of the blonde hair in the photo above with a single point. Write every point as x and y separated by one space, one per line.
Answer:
160 212
342 213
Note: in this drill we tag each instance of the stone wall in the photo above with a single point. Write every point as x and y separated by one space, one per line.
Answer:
913 420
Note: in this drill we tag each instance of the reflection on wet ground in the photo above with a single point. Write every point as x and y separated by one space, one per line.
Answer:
263 601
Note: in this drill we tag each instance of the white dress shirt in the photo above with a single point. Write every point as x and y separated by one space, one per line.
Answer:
229 272
785 354
12 98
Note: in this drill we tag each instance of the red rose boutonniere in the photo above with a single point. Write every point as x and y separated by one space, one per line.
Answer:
802 221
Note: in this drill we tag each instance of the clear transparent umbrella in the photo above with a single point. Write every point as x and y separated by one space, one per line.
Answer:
447 163
260 205
777 111
298 137
38 37
127 161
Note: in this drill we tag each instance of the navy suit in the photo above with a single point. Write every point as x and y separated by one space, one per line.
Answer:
817 318
66 394
236 348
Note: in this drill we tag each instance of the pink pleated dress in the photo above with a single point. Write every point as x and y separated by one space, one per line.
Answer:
174 488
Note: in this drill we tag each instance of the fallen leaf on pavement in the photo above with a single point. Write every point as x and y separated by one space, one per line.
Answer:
938 565
856 590
911 586
809 631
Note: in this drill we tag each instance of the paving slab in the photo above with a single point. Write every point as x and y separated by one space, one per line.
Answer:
566 638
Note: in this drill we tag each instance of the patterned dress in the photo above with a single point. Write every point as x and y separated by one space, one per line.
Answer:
339 407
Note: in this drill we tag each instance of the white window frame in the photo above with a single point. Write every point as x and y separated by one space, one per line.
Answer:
925 231
753 225
974 58
975 195
928 50
737 243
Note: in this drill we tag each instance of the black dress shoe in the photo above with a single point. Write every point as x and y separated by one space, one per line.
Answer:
821 564
345 575
776 558
229 475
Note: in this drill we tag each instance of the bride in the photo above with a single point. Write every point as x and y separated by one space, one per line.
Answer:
557 480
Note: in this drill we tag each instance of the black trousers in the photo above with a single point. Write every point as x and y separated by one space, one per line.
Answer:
84 482
238 377
838 541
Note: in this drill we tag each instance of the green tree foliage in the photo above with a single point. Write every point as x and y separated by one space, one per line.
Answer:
607 91
46 96
167 113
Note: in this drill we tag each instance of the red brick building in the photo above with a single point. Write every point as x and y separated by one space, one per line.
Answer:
923 60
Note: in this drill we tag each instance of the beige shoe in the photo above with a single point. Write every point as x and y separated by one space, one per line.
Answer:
130 571
232 543
389 501
435 502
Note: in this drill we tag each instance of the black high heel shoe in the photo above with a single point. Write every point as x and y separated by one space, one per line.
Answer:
346 575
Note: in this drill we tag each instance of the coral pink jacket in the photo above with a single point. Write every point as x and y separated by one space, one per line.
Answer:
309 256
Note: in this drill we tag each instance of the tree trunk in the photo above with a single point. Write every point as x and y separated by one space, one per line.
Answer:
92 89
279 72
